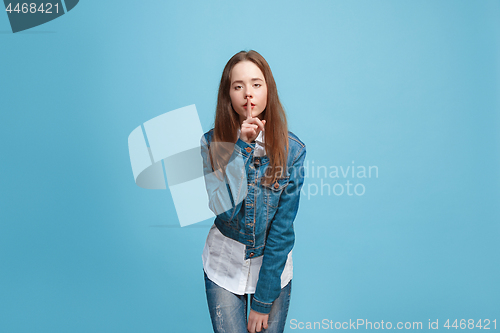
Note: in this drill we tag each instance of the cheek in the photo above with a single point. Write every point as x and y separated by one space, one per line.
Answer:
264 96
233 94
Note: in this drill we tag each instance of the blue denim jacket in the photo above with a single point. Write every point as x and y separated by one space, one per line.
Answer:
260 217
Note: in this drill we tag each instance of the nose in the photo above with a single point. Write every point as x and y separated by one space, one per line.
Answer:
248 93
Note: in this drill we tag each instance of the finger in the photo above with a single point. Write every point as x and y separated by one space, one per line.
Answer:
265 323
250 129
250 132
258 122
259 326
251 326
249 108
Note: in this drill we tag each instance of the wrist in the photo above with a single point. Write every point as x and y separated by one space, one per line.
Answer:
259 313
260 307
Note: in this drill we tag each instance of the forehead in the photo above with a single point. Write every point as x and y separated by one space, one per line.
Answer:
246 70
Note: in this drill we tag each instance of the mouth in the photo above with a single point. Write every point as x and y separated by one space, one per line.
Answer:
245 106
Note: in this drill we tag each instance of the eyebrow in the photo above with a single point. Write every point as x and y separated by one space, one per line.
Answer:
240 81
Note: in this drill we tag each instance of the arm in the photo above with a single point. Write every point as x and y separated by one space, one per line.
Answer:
226 194
280 239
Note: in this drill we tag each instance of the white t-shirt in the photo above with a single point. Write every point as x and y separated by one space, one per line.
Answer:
224 258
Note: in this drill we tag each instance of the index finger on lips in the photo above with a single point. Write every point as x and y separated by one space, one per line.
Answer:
249 108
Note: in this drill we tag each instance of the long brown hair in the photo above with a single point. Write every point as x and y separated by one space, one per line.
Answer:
227 122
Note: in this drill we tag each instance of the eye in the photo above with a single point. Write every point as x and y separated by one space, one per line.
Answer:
257 85
237 87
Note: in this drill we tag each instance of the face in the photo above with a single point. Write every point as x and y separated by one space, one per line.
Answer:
247 80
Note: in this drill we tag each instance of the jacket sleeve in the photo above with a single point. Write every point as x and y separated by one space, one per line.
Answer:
226 194
280 239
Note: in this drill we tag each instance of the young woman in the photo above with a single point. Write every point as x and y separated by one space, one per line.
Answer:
253 170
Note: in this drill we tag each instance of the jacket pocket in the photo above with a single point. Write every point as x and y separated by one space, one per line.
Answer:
272 192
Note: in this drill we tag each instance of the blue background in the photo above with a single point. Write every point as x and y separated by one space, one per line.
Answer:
411 87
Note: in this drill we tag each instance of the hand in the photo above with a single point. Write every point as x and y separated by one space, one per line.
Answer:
251 127
257 321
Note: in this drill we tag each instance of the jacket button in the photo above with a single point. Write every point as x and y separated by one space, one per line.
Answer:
251 255
248 149
276 185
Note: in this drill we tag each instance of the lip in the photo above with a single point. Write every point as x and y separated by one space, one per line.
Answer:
245 106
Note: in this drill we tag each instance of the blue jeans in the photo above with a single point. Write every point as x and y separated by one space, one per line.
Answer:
229 311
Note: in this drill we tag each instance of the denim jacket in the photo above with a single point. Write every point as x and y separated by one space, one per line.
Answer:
258 216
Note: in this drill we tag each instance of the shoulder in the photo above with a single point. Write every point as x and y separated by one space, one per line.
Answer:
209 133
294 141
207 136
296 148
